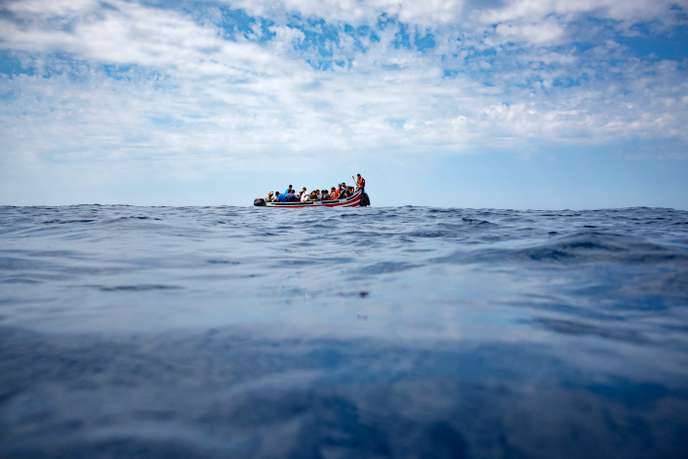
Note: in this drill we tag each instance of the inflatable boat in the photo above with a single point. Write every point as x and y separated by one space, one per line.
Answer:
358 199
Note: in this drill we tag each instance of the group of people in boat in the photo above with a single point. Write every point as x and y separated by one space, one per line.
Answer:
341 191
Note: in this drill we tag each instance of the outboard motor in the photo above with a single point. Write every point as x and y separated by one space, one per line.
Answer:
259 202
365 200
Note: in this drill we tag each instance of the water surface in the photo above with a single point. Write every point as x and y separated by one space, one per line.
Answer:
166 332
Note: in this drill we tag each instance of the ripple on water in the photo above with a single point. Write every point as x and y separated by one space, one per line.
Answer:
381 332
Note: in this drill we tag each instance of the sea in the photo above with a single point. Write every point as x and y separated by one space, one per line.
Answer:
382 332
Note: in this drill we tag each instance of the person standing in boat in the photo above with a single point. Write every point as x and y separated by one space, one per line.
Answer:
360 182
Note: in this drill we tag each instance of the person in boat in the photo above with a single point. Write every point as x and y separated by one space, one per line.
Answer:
360 182
324 195
270 197
350 191
304 195
291 188
343 191
334 193
292 197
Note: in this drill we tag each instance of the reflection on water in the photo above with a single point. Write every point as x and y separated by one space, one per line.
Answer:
227 394
406 332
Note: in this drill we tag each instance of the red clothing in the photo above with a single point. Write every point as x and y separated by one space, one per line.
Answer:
334 194
360 182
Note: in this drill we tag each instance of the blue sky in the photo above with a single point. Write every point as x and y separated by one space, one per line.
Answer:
519 104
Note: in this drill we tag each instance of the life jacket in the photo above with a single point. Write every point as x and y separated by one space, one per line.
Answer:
360 183
334 194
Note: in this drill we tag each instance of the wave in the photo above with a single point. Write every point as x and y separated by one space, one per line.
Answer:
580 247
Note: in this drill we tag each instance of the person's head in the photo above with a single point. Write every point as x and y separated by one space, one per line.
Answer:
333 189
358 175
351 188
303 189
277 193
291 187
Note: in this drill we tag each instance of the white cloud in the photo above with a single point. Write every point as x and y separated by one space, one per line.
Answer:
286 37
626 10
214 99
440 12
49 8
540 22
135 34
539 33
413 11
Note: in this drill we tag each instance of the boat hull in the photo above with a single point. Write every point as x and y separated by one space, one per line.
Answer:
352 201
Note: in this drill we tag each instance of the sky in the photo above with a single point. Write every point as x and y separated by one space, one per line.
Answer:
453 103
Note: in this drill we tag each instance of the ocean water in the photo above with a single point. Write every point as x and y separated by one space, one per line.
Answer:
410 332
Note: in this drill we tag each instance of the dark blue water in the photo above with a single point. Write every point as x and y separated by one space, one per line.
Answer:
408 332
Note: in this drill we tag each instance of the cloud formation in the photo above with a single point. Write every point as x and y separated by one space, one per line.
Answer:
429 12
127 80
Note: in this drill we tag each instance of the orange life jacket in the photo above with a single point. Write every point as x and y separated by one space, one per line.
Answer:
334 194
360 183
